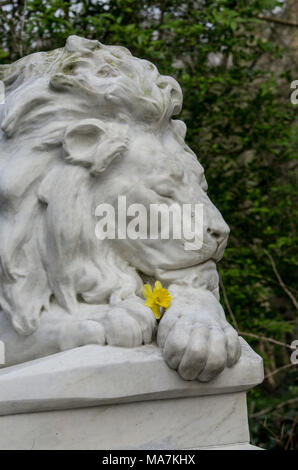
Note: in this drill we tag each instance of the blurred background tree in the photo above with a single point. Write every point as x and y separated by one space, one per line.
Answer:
235 61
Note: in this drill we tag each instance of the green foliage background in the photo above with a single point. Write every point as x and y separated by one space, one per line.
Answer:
242 126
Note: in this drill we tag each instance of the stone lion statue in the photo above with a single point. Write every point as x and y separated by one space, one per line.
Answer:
80 126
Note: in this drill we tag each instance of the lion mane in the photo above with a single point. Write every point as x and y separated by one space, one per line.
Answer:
48 251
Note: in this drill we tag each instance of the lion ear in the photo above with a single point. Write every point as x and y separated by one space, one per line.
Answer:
93 144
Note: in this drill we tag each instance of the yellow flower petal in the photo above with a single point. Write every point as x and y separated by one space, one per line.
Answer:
157 285
165 300
156 311
156 298
149 303
147 290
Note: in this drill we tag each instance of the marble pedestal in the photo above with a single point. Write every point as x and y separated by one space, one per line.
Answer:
97 397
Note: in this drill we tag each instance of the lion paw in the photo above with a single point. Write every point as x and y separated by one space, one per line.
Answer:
81 333
198 345
129 324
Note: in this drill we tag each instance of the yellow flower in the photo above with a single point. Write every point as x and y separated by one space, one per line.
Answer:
157 298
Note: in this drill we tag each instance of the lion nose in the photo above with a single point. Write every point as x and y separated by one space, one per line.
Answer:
219 231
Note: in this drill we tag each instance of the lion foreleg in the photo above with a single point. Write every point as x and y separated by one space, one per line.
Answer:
57 332
194 335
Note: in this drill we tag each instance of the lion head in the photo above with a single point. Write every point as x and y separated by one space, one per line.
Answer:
80 126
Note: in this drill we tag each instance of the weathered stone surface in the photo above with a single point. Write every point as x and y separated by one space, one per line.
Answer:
122 399
180 423
96 375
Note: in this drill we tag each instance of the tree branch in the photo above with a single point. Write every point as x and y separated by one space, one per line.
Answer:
270 19
281 282
279 369
278 407
228 303
270 340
